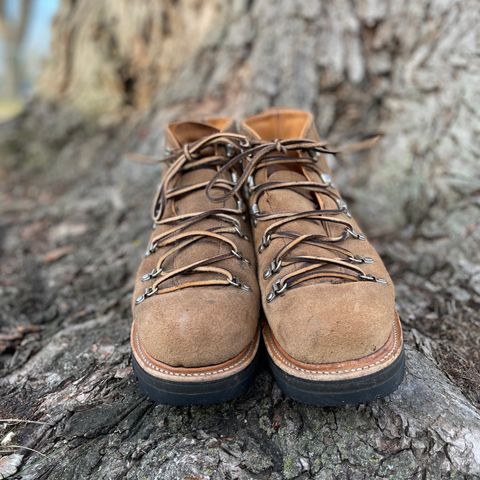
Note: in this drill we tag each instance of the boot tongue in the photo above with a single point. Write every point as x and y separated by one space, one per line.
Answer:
178 134
286 199
291 200
280 124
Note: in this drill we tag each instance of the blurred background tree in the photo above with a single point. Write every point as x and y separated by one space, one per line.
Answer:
12 32
74 217
24 41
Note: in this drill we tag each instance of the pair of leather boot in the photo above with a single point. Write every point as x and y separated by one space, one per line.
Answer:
248 220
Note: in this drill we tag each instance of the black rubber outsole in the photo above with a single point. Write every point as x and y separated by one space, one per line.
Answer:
341 392
196 393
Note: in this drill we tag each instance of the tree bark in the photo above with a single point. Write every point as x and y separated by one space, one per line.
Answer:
75 218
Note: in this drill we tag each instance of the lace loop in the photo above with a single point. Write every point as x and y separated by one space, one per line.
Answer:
214 151
345 266
251 158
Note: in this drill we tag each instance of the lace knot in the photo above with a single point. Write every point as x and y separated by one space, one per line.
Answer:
279 146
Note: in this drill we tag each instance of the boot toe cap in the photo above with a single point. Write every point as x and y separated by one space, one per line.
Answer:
197 327
330 323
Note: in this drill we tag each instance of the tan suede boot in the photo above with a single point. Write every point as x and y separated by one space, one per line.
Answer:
332 331
196 302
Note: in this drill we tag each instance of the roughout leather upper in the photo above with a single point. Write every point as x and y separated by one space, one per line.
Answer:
207 325
318 321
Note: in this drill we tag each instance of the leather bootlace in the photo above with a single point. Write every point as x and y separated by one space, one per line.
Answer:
211 151
344 266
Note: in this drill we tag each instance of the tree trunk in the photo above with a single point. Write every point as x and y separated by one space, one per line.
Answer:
12 76
13 33
75 217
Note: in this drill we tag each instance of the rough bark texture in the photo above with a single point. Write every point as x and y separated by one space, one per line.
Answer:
74 220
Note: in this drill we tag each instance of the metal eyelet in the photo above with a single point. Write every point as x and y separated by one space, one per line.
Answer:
245 143
274 268
277 290
153 274
371 278
147 293
254 210
237 283
229 151
354 234
234 177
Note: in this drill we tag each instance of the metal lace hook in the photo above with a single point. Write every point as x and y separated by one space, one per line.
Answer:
277 290
237 283
273 268
147 293
240 233
266 239
343 207
254 210
326 178
372 278
237 254
151 249
153 274
354 234
359 259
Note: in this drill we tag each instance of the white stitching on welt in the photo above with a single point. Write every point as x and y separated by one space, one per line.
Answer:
203 374
279 356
